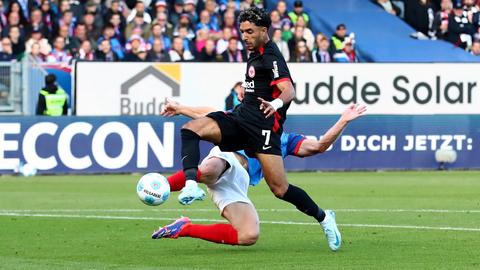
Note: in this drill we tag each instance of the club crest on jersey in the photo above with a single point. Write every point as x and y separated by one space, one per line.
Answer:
251 72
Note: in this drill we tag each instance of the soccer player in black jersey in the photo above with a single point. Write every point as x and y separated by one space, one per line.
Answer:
256 124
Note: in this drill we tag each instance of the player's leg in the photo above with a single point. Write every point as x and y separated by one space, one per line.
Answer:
244 219
242 230
204 128
273 169
208 172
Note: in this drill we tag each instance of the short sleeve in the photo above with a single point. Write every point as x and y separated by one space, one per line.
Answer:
278 68
293 143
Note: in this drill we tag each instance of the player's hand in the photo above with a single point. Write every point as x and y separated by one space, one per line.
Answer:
266 108
353 111
241 94
170 108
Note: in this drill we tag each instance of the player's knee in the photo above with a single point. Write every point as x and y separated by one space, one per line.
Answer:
279 190
190 126
248 237
210 172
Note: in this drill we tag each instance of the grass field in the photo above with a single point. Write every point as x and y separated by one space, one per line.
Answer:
389 220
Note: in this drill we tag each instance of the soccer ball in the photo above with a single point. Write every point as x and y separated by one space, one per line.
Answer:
153 189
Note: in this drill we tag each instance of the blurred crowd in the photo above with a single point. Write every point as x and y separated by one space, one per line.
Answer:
156 30
456 21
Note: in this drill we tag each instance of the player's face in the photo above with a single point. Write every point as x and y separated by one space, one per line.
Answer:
252 35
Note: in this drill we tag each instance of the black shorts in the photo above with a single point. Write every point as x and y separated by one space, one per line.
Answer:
242 130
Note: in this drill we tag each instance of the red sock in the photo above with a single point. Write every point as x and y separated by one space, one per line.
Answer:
177 180
218 233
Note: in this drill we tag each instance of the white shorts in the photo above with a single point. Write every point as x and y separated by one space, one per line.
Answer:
232 186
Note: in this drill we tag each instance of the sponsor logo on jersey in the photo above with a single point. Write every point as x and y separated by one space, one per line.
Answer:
251 72
249 86
275 70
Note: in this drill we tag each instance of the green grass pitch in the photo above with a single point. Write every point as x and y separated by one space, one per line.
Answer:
389 220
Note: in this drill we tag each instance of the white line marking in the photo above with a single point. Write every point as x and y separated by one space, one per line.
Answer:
259 210
263 222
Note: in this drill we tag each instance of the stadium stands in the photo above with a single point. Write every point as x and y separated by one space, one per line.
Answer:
380 37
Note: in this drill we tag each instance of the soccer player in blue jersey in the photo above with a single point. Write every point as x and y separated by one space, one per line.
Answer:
225 174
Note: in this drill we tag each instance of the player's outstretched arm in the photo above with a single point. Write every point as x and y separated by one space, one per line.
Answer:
172 108
310 147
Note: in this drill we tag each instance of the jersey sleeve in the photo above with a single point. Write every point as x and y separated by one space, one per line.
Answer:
278 68
293 143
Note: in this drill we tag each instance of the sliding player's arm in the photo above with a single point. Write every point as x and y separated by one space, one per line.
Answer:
172 108
310 147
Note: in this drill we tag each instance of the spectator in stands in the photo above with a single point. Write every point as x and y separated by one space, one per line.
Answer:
93 8
118 27
321 53
36 22
215 18
18 43
388 6
156 33
233 53
13 19
114 9
205 23
440 22
178 53
138 23
37 37
158 52
35 54
133 46
298 12
230 22
476 48
200 40
281 44
287 33
420 14
49 18
52 99
336 42
79 37
302 53
59 54
85 52
208 53
177 11
108 32
232 99
160 7
307 33
348 54
190 9
14 7
166 27
92 32
282 9
184 22
68 21
7 53
139 9
104 52
63 32
292 43
460 30
188 43
276 20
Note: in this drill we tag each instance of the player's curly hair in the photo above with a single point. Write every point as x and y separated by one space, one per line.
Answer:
255 15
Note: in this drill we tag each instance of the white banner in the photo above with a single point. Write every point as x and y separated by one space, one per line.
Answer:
140 88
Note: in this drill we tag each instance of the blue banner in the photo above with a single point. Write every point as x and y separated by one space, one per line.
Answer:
152 144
